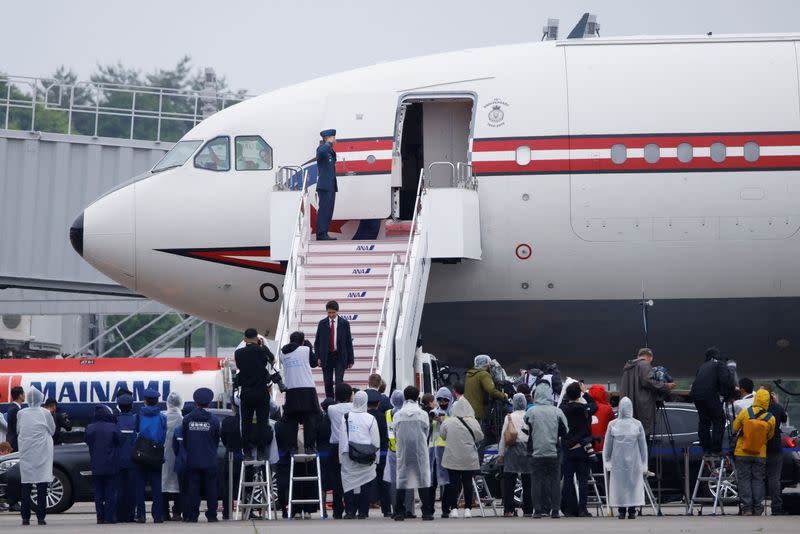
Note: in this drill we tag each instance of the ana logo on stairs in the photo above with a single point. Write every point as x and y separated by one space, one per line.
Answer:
365 247
358 270
357 294
350 317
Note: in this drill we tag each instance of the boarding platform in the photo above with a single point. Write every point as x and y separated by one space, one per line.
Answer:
381 283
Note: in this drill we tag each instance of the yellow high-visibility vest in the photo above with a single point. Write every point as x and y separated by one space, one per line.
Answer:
390 429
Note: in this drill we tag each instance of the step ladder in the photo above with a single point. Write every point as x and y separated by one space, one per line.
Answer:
305 458
597 500
718 470
257 491
484 497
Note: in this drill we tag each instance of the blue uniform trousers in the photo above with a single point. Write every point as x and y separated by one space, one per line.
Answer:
126 495
327 200
150 476
208 479
105 497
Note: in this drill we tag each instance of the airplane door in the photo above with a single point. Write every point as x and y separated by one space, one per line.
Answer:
364 124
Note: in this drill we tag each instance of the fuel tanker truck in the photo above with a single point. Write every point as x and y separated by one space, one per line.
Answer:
78 384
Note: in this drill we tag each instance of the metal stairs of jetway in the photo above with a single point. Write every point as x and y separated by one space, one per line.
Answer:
381 284
355 274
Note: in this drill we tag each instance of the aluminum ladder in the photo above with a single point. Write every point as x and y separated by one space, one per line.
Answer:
718 469
261 480
305 458
483 499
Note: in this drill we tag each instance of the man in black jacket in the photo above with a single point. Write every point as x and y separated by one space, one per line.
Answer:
61 419
775 452
253 380
333 346
17 400
374 408
713 380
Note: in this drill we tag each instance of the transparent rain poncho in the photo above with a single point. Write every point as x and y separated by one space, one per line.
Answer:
411 433
625 455
35 428
169 478
363 429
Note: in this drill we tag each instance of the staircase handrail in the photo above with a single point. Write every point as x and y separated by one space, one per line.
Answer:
389 286
396 289
285 177
290 278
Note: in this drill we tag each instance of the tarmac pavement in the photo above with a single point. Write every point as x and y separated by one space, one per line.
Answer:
80 519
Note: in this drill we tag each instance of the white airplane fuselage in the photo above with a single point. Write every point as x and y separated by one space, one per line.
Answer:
604 166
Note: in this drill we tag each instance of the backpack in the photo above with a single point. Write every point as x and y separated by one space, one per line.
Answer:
755 432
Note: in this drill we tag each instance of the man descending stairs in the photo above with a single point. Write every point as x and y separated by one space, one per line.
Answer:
355 275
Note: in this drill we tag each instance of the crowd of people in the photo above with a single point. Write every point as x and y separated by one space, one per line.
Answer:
377 450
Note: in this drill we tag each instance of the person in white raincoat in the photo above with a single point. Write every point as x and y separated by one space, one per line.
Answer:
625 455
360 427
461 459
413 468
35 429
170 485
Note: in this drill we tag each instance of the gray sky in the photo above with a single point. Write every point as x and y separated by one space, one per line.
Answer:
261 45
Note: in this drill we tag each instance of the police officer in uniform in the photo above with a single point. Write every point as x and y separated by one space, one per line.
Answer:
126 479
326 183
200 438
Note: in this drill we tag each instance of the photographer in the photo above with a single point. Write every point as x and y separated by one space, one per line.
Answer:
578 450
253 379
713 381
301 404
639 384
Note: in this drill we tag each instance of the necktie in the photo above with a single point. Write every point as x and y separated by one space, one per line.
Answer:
332 346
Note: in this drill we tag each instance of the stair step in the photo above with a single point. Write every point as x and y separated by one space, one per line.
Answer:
345 306
356 327
359 247
345 282
353 271
344 294
355 317
335 258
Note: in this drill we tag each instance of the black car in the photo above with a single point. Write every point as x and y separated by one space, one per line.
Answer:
676 424
72 475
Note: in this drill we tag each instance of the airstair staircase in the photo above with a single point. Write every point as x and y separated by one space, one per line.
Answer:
380 284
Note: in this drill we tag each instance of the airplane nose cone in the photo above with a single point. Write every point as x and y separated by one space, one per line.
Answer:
76 234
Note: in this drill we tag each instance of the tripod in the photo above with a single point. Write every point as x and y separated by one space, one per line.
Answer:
661 412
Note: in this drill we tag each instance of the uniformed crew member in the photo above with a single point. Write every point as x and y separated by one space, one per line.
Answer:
326 183
201 438
126 479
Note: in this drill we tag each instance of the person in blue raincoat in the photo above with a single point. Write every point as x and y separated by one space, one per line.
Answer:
436 448
151 424
104 440
126 479
326 183
201 430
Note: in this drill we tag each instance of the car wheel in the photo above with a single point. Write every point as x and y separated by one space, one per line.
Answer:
727 488
59 493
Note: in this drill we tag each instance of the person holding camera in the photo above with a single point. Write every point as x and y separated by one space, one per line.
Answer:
713 382
302 405
253 379
578 449
640 385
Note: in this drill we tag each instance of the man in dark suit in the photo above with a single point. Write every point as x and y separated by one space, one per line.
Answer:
17 400
326 183
333 346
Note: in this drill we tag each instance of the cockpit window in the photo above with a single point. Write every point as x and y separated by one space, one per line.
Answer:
177 156
253 153
215 156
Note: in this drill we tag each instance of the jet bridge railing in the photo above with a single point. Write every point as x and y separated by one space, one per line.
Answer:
90 108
